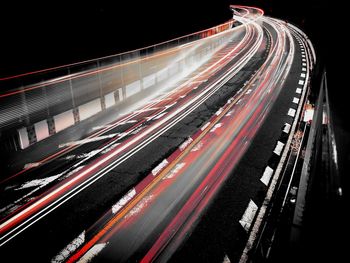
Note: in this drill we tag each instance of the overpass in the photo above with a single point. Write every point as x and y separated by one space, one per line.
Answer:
119 158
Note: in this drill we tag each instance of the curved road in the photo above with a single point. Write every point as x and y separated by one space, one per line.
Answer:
172 179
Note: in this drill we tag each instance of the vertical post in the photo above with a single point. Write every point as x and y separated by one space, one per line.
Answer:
122 78
103 103
75 109
140 70
25 107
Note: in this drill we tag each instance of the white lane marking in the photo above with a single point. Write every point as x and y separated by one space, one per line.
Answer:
92 252
301 82
303 64
298 90
303 60
286 127
102 127
71 172
174 171
131 121
302 75
303 69
216 126
31 165
144 202
156 116
160 100
265 179
229 101
303 56
160 115
125 199
146 109
38 182
279 147
205 126
295 100
219 111
170 105
226 259
197 100
198 81
110 148
230 113
248 215
69 249
245 257
12 207
88 140
185 144
84 155
160 167
291 112
197 147
136 131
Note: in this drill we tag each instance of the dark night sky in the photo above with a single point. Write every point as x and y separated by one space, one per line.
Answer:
36 36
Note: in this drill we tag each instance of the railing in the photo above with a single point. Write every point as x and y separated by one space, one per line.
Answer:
35 105
30 78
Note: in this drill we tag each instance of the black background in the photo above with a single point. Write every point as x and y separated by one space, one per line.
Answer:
39 35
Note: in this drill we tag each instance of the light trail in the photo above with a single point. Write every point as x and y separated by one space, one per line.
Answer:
157 214
149 105
214 162
11 226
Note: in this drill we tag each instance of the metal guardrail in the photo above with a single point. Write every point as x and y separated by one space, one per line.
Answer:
286 174
318 142
284 227
30 78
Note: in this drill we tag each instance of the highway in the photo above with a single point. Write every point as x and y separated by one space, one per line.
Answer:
136 187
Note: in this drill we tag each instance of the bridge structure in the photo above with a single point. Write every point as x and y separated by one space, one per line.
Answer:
123 158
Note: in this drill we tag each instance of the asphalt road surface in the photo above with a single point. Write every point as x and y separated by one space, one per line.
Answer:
137 188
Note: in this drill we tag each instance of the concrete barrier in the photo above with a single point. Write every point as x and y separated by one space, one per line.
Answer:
23 138
41 130
109 100
63 120
132 88
89 109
